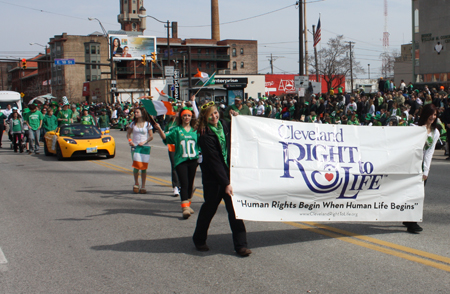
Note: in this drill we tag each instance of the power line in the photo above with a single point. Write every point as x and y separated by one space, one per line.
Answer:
239 20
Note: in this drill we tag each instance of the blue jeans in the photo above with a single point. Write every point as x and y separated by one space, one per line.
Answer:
103 129
34 136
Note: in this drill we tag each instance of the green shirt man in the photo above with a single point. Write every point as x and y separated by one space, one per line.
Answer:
34 119
65 116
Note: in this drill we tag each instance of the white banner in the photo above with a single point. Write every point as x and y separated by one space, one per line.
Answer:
292 171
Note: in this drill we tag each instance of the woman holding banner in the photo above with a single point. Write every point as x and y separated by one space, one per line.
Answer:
214 142
184 137
139 134
428 119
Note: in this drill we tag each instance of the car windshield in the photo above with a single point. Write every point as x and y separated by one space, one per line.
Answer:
4 104
80 132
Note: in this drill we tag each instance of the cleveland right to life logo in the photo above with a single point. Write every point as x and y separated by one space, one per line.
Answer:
342 171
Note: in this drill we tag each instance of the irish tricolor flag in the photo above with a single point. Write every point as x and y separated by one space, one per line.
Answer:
141 157
158 107
203 76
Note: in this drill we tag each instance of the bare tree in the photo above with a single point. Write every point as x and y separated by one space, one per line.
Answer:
334 62
387 68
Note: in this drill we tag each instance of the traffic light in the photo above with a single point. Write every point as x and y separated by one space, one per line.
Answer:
144 60
154 57
24 63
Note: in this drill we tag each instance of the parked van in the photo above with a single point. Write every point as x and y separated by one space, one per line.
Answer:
10 97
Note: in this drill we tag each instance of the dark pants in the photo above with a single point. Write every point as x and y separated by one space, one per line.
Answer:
17 141
175 182
213 194
2 127
186 175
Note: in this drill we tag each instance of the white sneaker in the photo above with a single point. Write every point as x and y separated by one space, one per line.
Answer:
176 192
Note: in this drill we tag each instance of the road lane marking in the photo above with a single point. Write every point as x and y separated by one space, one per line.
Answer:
3 259
368 245
389 248
198 192
383 243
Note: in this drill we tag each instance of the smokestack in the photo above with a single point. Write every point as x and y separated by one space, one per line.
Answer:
175 29
215 27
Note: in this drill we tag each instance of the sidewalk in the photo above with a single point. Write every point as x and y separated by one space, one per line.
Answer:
439 155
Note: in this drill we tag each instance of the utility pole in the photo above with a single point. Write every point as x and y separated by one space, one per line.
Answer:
350 43
300 37
305 32
315 56
271 60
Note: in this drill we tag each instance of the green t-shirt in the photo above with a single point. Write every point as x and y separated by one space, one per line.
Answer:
186 147
66 115
87 120
103 121
75 115
16 126
50 123
2 118
34 119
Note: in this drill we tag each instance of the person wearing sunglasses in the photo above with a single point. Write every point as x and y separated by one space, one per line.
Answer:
184 138
237 108
214 142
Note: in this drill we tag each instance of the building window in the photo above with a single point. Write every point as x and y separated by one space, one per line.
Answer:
94 66
98 50
87 49
242 51
87 66
199 51
199 64
234 65
94 78
93 50
207 65
242 64
88 78
233 52
416 20
206 51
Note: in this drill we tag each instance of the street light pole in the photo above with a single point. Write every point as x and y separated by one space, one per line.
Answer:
369 70
47 70
111 63
167 25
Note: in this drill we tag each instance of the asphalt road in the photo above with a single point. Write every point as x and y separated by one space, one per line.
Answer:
76 227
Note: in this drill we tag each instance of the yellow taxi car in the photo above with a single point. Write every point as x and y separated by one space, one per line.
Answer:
77 140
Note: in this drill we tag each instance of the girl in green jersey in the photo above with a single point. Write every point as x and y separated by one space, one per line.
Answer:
184 137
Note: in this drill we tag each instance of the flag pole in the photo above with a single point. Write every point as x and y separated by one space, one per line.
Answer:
205 83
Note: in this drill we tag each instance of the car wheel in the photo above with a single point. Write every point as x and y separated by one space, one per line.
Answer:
46 152
59 153
113 155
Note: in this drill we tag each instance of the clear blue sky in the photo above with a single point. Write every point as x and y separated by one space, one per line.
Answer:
27 21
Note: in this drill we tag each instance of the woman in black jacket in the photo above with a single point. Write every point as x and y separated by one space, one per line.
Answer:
214 142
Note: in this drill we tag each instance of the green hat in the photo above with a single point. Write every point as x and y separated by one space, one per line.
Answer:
377 117
104 110
26 110
369 116
306 103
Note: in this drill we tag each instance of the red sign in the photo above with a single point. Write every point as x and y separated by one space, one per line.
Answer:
284 84
86 89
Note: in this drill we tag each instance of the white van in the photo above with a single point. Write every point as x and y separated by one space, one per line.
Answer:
10 97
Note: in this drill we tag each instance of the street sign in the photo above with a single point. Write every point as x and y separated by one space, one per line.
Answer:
59 61
176 85
301 81
22 94
168 71
169 80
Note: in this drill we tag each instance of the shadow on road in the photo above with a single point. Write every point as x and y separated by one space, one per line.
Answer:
222 243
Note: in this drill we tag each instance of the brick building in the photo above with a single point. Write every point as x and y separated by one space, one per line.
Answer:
67 80
5 78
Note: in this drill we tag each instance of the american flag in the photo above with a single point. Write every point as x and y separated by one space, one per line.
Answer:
318 34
